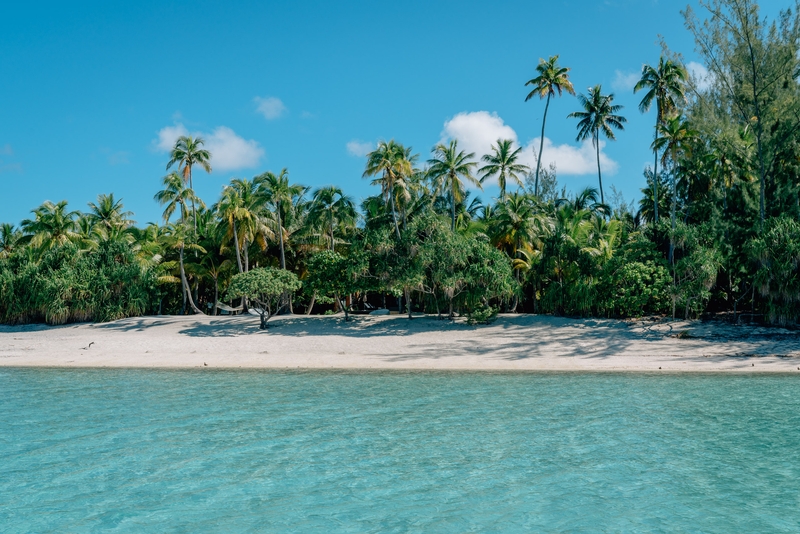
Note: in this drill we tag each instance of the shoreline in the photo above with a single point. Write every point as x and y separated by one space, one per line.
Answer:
513 343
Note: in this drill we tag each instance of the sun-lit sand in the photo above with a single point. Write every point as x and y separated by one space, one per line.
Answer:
521 342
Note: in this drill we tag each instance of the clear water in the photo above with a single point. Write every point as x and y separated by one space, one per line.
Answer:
185 451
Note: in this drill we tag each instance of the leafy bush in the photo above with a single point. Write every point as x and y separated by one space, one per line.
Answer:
482 315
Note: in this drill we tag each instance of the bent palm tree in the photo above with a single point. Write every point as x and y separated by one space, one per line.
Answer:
502 162
598 116
447 169
665 88
552 78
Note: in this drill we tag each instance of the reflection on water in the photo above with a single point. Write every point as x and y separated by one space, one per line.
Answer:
267 451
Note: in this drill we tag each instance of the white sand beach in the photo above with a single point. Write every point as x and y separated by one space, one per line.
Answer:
514 342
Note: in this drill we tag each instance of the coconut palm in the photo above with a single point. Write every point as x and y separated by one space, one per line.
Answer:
448 167
598 117
551 78
109 217
9 239
280 194
664 85
188 152
502 162
52 225
176 195
674 138
241 210
329 209
393 163
176 236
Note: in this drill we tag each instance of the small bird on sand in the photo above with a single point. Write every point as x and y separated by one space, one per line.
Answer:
89 346
205 364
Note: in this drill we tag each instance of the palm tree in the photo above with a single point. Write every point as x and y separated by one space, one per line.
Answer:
279 193
331 208
109 216
502 162
188 152
552 78
51 226
176 195
240 209
176 237
447 169
665 88
394 163
598 116
9 239
674 137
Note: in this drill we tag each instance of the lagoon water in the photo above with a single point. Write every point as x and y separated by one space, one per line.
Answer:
269 451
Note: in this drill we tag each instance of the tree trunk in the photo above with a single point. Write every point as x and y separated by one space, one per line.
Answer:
541 147
599 174
311 306
394 214
246 255
280 234
408 301
186 289
655 177
216 295
453 202
238 251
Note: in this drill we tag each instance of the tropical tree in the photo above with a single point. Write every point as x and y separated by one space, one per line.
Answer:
280 194
502 162
674 138
551 78
265 286
393 163
9 239
598 117
52 225
665 87
176 237
175 196
331 208
449 168
241 209
187 153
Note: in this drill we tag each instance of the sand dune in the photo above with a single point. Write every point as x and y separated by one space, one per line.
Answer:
514 342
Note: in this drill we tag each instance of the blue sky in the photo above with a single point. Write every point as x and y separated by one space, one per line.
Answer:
93 92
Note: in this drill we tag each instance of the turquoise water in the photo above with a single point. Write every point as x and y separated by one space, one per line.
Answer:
217 451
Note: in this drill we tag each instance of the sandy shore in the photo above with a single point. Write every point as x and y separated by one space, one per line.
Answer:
391 342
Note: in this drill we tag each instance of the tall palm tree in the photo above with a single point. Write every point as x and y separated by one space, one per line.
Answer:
331 208
176 237
52 225
394 163
9 239
240 209
664 85
598 116
448 167
280 194
108 214
188 152
674 138
502 162
551 78
175 196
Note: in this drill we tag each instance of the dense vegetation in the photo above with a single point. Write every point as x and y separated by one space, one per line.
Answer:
716 229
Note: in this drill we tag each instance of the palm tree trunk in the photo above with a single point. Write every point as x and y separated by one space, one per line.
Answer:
599 174
246 255
186 289
408 301
394 215
655 178
280 234
332 231
238 252
216 295
541 147
194 212
453 202
311 306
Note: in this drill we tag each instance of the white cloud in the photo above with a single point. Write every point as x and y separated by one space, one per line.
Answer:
359 148
700 75
570 159
228 150
478 131
270 106
624 81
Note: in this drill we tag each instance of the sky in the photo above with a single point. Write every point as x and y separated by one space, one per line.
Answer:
93 94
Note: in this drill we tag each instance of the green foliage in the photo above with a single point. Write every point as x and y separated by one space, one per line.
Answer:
266 286
332 275
70 285
777 255
482 315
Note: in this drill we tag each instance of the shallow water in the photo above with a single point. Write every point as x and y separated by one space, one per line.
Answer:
207 451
